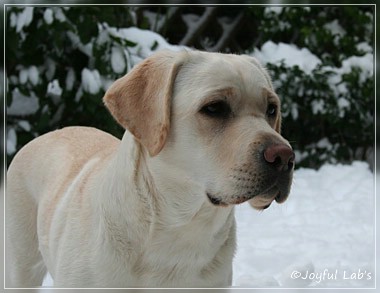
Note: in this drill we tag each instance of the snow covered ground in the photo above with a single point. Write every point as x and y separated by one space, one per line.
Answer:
322 236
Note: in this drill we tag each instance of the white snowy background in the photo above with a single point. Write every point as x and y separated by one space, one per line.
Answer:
324 234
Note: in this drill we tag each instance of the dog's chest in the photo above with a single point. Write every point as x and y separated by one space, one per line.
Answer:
189 256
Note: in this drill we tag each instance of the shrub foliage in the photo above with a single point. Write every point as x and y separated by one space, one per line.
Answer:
59 62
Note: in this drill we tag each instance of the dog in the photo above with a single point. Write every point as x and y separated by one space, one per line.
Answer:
155 209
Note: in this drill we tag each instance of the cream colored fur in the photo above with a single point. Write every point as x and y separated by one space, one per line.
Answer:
94 211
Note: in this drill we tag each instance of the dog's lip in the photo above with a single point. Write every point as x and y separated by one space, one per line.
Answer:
267 206
267 198
215 201
275 196
278 197
264 206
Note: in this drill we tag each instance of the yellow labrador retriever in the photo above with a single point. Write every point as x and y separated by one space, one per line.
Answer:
155 209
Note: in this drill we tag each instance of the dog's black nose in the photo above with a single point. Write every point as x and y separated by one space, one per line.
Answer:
280 156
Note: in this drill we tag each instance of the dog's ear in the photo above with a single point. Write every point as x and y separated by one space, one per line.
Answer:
140 101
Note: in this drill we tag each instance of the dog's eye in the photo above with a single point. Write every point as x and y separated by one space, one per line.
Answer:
219 109
271 110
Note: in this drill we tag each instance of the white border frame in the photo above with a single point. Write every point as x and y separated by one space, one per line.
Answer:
5 5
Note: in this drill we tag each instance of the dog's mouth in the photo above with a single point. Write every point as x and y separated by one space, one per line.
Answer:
260 202
263 202
216 201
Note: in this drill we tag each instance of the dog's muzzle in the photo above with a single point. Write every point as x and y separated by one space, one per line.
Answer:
275 163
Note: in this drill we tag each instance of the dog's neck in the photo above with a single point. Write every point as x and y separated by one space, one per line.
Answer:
136 185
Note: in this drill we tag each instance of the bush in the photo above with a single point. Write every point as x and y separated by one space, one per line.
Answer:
52 55
328 109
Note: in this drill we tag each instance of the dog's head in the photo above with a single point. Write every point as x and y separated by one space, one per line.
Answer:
213 117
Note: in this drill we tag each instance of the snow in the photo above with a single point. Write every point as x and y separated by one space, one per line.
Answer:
324 229
318 106
91 81
343 104
33 75
22 19
59 14
335 28
70 79
118 60
48 16
365 63
25 125
327 223
275 9
324 143
103 36
290 54
365 47
294 111
22 105
13 19
54 88
106 83
23 76
30 73
307 62
147 42
86 49
11 141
